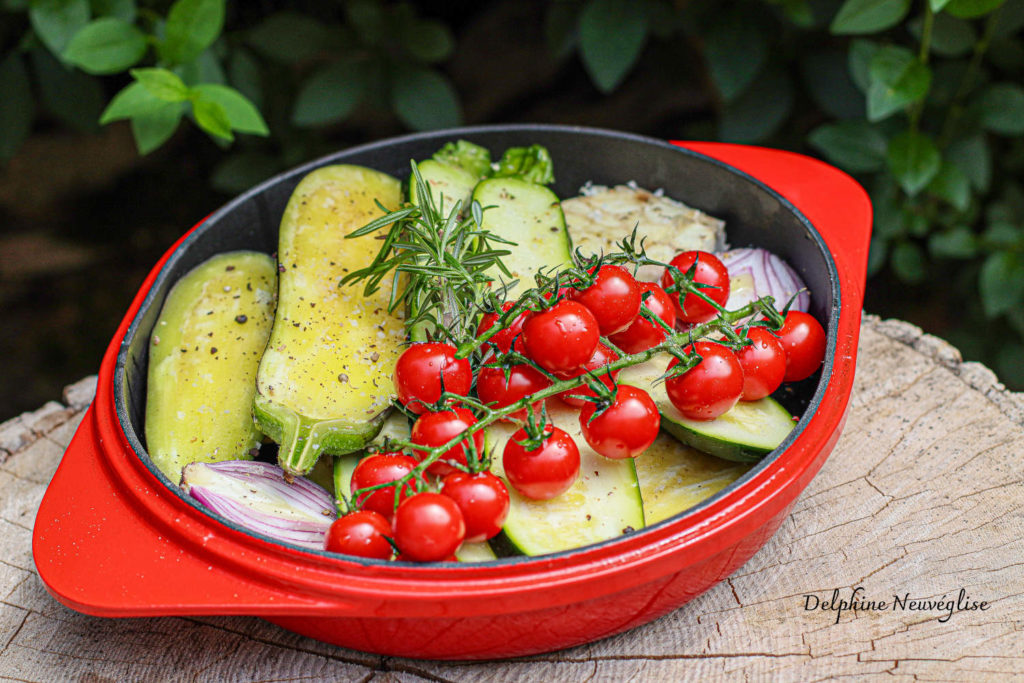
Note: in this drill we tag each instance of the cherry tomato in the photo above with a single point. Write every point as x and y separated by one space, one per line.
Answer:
419 370
562 337
502 339
483 500
711 387
710 271
763 363
523 381
803 339
614 299
381 469
625 428
642 334
363 533
436 429
601 357
428 527
544 472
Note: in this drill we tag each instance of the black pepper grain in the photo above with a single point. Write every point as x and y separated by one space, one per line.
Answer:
241 318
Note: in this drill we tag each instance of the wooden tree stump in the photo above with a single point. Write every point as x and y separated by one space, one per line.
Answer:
922 496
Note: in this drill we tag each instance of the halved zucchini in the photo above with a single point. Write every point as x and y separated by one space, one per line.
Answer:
604 502
749 431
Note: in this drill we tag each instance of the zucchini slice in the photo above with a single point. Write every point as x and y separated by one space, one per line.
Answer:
531 216
324 384
749 431
675 477
203 355
604 502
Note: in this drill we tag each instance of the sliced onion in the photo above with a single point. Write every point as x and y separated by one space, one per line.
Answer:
256 495
754 273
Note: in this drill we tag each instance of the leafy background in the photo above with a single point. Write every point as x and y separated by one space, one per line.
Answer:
122 122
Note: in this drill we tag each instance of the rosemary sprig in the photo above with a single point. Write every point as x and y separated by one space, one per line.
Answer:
441 265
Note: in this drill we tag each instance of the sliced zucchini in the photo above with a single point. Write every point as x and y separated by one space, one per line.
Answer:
203 355
604 502
324 384
748 432
447 182
675 477
531 216
475 552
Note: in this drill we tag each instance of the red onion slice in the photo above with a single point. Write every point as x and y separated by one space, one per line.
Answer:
754 273
256 495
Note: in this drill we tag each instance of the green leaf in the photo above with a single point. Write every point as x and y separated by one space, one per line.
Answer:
424 99
869 16
368 19
612 35
937 5
242 115
909 263
878 252
1003 235
1002 108
855 146
205 68
736 53
897 80
828 81
57 21
134 100
467 156
289 37
192 26
799 12
212 118
951 37
971 155
329 94
560 23
958 243
428 41
163 84
121 9
16 106
153 128
72 96
969 9
244 75
952 185
913 160
106 46
861 53
1001 283
760 111
532 164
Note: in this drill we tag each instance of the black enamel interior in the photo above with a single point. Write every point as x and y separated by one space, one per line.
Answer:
754 216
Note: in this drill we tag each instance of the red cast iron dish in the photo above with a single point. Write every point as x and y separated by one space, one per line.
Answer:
113 538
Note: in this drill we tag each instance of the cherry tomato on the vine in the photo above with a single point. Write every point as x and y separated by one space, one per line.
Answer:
710 271
803 339
562 337
483 500
763 363
711 387
601 357
429 527
503 338
625 428
543 472
382 468
642 334
523 380
419 372
363 533
436 429
614 299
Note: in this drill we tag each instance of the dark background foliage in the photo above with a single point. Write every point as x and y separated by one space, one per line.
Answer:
199 99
